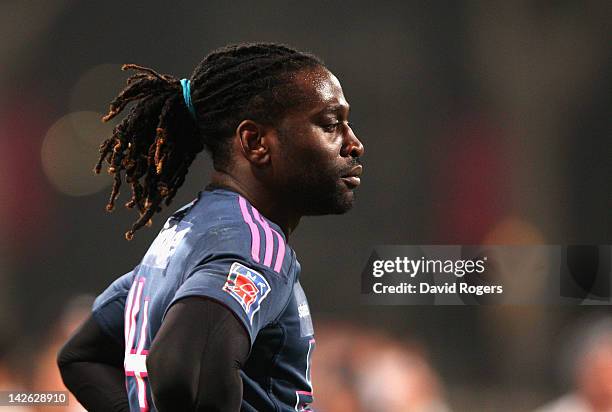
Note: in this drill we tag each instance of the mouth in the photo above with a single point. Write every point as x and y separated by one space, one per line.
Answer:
352 178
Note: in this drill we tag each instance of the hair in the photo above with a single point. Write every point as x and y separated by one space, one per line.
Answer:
154 145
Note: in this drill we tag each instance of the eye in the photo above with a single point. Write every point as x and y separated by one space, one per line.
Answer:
331 127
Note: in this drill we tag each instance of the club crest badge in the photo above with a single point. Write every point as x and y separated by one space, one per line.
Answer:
248 287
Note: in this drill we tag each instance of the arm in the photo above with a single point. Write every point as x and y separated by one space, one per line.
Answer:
195 358
91 365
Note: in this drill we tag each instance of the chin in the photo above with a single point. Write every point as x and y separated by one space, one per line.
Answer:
339 203
345 203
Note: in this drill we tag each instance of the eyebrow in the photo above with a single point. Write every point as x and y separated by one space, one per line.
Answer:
335 108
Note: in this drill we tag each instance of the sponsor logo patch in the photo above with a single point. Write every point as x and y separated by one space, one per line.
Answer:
306 328
248 287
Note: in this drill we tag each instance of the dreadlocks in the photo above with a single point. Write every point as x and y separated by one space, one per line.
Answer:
154 145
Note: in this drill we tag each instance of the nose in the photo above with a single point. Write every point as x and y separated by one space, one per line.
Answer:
352 145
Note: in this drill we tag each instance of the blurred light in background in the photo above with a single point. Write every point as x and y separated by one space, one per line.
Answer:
70 151
96 87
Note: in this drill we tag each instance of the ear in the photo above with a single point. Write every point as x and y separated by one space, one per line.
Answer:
254 141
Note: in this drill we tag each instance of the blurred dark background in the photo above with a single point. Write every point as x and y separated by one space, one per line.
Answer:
483 122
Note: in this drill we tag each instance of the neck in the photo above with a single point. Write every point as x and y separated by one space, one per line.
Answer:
261 198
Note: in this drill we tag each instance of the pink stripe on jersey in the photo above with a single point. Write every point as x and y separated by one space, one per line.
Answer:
135 310
254 230
280 253
269 239
142 393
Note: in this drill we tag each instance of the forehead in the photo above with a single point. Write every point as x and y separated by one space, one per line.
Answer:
320 89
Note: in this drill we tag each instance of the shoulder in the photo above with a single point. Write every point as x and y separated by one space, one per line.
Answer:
232 226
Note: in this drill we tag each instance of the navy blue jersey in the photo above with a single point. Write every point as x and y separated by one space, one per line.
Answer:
222 248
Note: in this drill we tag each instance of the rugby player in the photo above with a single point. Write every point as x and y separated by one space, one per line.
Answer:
213 318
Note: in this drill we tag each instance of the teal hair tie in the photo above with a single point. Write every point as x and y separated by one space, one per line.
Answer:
186 84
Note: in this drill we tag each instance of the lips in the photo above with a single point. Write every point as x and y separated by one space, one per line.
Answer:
352 178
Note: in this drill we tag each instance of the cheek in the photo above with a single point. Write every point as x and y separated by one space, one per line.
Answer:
318 163
322 150
307 152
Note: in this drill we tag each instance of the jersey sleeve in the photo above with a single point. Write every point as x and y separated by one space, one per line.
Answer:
108 308
226 273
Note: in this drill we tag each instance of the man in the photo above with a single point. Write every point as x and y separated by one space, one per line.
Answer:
214 317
